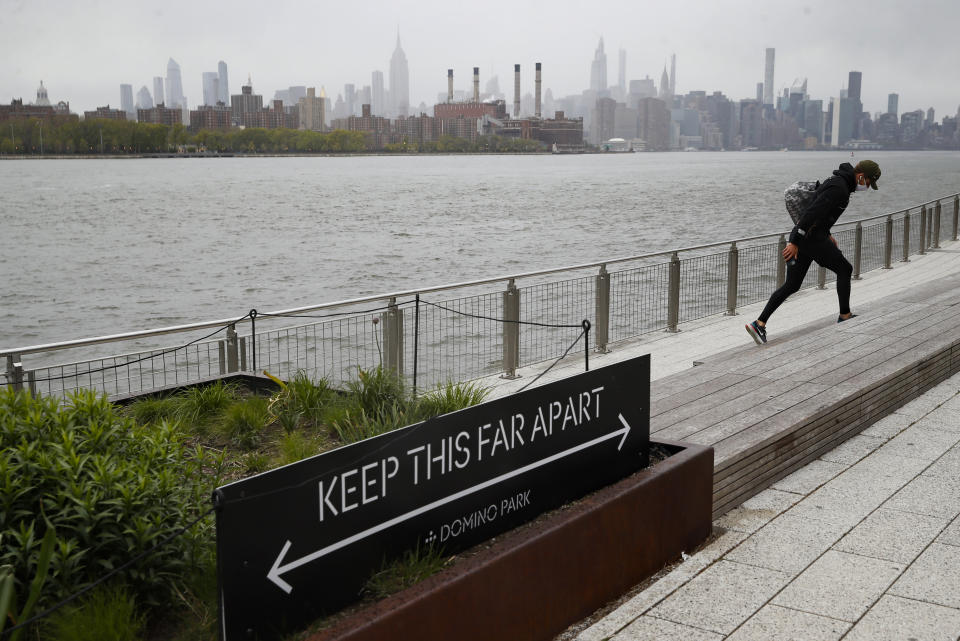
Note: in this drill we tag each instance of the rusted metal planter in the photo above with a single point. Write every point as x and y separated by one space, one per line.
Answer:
537 580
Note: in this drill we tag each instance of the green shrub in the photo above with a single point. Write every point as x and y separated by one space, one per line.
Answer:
354 425
378 392
107 613
109 488
197 405
255 462
449 398
154 409
244 421
308 398
297 446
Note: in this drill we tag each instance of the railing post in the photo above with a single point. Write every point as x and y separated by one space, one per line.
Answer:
888 243
821 277
243 353
781 264
14 372
602 313
232 348
923 230
392 321
956 215
32 383
673 302
857 251
936 226
906 237
511 330
733 275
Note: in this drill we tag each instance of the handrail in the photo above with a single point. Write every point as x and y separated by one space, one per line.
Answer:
49 347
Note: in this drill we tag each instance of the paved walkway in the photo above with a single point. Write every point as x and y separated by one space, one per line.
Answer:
863 542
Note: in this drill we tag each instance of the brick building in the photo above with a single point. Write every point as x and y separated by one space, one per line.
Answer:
218 116
161 115
105 113
376 129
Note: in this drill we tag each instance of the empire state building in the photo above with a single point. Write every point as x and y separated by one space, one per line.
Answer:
399 82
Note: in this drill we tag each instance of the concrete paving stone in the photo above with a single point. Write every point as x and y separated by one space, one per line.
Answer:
947 420
892 535
894 619
722 597
809 477
888 426
786 624
947 466
951 535
875 479
934 577
952 403
852 450
920 442
930 495
758 510
788 544
923 405
653 629
839 585
831 508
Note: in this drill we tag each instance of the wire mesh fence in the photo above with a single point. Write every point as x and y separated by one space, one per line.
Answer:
443 338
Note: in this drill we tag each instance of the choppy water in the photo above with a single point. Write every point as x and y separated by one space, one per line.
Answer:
93 247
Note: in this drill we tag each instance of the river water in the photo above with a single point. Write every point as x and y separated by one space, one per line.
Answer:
93 247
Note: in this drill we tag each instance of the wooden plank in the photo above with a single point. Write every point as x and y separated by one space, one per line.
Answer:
718 384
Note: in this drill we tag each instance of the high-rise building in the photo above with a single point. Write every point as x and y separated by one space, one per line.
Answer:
813 119
377 97
768 77
892 103
126 101
144 100
157 90
224 85
622 73
174 85
853 85
759 92
211 88
598 69
665 94
244 103
399 82
673 74
312 111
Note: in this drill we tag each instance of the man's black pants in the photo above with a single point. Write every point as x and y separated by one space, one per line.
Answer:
825 253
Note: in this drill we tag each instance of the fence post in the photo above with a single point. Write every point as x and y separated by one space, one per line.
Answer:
781 264
906 237
888 243
821 277
857 251
673 302
14 372
233 363
602 313
956 215
511 331
733 275
936 226
923 230
392 321
243 353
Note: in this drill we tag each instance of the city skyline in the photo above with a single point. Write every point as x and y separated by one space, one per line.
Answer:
720 46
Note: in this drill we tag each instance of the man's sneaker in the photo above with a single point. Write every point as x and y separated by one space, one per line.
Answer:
840 319
758 333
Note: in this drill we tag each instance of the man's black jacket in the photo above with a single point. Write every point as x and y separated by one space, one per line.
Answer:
833 195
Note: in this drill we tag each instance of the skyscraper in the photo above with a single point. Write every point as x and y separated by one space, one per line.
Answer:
892 103
144 100
768 77
211 88
157 90
622 74
377 102
126 101
665 94
174 85
224 84
598 69
399 82
673 74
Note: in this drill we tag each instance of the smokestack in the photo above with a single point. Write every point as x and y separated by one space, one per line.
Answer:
516 91
449 85
537 95
476 84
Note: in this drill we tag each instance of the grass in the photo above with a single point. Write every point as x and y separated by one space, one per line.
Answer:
107 613
411 568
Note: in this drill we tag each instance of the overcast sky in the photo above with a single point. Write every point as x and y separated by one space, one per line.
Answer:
84 49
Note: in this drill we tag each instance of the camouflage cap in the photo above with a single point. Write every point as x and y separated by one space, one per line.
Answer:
869 169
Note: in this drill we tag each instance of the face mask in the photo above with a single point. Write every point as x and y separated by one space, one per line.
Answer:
862 188
862 183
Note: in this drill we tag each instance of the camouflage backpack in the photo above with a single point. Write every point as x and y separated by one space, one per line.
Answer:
798 197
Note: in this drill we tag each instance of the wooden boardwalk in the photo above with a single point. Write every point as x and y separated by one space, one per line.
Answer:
769 410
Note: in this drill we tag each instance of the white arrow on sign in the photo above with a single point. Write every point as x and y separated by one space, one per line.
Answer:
279 568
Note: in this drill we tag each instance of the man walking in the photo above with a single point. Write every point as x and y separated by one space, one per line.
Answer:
811 241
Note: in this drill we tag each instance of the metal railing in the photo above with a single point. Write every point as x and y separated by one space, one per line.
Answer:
465 331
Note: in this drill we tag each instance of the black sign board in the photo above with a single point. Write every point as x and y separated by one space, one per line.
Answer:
299 542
